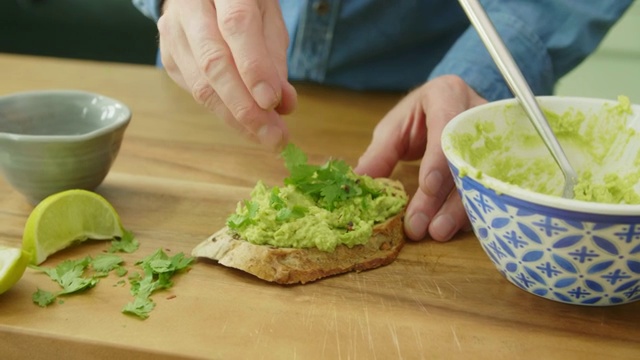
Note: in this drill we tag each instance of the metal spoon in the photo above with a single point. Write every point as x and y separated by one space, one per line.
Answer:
516 81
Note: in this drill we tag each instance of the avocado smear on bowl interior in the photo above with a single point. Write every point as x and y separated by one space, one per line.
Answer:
319 206
603 142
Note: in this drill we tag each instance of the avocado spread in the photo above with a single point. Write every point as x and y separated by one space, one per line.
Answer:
319 206
602 146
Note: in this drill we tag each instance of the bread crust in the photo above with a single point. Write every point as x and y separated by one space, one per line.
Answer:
294 265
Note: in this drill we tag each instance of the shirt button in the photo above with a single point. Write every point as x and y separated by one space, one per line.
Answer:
321 7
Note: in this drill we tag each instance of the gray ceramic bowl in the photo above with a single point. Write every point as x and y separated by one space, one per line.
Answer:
55 140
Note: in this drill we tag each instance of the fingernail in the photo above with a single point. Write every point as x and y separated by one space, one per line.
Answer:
417 226
271 136
265 96
433 183
443 227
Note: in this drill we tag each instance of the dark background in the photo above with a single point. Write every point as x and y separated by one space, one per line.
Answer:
105 30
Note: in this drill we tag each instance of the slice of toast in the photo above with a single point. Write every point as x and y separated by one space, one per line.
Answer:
294 265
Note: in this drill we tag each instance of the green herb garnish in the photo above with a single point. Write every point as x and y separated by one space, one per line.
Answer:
74 276
327 184
158 269
127 243
70 275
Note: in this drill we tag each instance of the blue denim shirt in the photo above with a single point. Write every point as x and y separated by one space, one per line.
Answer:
398 45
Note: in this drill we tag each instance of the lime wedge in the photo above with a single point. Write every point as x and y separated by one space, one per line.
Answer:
68 217
13 263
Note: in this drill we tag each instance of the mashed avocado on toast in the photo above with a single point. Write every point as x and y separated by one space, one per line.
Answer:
325 220
319 206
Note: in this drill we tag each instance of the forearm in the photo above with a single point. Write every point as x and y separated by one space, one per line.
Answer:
547 40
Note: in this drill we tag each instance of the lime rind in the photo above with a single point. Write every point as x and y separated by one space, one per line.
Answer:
66 218
13 263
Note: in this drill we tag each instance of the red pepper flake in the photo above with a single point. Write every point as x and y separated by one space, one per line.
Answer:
350 226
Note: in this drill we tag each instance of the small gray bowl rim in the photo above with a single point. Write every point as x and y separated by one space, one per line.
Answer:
120 122
517 192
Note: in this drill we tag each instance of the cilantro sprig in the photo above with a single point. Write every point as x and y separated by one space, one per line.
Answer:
127 243
158 269
237 221
74 276
327 184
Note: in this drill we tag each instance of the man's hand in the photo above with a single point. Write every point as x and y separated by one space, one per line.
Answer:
231 56
412 130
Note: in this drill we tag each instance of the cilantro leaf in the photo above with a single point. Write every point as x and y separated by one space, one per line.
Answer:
43 298
73 284
127 243
328 184
121 271
237 221
106 262
140 307
158 269
275 201
294 212
293 156
69 275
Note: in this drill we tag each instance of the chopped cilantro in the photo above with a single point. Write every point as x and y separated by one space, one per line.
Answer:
121 271
294 212
327 184
69 274
43 298
127 243
140 307
158 269
237 221
275 201
106 262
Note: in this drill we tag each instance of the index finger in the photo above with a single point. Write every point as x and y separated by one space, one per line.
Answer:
242 27
215 62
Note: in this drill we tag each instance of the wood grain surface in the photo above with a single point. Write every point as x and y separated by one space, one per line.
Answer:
180 173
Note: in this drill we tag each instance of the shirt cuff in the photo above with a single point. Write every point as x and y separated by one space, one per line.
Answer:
469 59
150 8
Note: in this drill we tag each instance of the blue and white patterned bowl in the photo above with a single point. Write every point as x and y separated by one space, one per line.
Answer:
566 250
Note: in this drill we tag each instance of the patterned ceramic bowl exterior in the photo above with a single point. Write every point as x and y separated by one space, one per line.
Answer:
564 250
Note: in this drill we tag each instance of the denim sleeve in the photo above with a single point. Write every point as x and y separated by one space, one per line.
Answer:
547 38
150 8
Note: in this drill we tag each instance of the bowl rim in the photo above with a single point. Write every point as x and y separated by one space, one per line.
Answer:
121 121
501 187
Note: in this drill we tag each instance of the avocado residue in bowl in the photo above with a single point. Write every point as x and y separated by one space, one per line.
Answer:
603 146
319 206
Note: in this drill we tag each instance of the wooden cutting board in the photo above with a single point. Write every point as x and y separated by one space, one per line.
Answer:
178 176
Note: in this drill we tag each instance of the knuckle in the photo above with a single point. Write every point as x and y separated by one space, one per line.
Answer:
203 94
163 26
169 65
250 63
211 59
246 115
236 20
455 82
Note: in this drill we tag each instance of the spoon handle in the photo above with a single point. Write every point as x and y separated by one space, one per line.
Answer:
519 86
